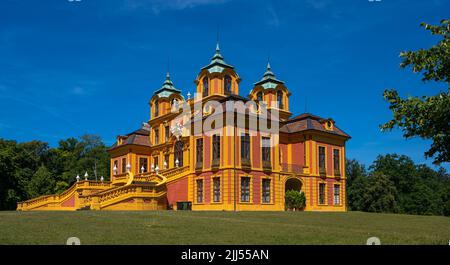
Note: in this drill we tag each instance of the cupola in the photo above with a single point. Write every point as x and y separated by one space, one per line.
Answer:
272 92
217 78
165 98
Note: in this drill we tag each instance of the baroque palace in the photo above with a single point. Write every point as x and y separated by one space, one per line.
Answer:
169 163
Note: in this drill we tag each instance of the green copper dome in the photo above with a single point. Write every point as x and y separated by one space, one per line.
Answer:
167 88
217 64
269 80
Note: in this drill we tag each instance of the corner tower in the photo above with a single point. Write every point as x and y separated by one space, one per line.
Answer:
272 92
217 78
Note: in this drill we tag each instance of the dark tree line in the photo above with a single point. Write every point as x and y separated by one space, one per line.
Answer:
31 169
394 184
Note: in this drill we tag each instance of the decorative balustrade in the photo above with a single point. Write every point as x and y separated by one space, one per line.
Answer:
174 171
57 198
123 177
292 168
111 195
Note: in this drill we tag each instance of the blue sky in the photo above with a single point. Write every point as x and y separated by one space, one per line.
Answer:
70 68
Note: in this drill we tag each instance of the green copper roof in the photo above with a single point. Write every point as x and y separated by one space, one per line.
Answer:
217 64
269 80
167 88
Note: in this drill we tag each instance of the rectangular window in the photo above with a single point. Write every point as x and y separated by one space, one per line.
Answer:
199 151
337 194
245 189
166 160
322 159
156 136
143 164
336 160
167 131
199 190
266 149
216 189
156 109
116 166
245 146
216 147
155 161
266 190
321 193
124 165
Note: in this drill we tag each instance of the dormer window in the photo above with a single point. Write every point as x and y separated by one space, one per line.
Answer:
205 87
156 108
280 99
328 124
227 84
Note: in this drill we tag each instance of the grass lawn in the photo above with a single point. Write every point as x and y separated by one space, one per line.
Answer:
184 227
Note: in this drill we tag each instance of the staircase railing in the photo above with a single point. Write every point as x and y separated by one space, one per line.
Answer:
58 198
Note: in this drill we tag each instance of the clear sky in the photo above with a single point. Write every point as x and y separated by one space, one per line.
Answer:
70 68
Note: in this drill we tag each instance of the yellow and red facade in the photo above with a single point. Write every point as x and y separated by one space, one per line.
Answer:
158 167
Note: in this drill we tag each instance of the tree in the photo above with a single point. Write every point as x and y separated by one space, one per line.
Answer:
31 169
427 116
295 200
380 195
41 183
356 184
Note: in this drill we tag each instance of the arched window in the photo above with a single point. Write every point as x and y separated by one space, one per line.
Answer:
280 99
259 96
205 87
178 153
227 84
156 108
175 105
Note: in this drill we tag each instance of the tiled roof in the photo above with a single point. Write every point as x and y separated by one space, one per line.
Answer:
138 137
307 121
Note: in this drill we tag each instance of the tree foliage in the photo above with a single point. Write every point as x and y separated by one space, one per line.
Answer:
295 200
394 183
31 169
427 116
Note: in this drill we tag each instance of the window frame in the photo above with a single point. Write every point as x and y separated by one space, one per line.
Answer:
265 193
123 169
116 165
324 168
167 133
266 151
260 96
216 192
247 190
230 91
156 108
319 201
143 158
156 135
337 159
205 84
199 154
338 186
280 99
167 160
216 149
245 146
199 189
